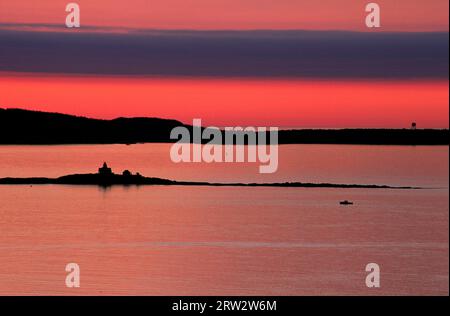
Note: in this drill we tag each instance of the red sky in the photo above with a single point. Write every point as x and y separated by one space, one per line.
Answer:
399 15
288 103
271 102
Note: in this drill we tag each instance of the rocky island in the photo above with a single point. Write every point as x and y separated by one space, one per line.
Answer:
105 177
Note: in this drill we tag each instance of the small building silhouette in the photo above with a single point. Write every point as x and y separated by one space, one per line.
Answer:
105 170
126 173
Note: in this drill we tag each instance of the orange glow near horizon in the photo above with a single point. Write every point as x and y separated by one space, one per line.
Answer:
399 15
231 102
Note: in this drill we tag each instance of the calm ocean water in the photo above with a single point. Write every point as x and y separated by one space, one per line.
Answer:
156 240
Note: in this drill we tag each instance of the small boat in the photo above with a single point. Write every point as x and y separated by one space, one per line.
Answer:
346 202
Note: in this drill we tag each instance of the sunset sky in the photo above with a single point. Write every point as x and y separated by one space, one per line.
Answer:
287 63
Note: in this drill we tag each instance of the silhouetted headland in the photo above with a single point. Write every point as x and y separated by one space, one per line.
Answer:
37 128
105 177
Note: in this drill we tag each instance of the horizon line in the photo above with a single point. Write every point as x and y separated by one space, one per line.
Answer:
282 128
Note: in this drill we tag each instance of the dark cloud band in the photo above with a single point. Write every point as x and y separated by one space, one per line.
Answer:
296 54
